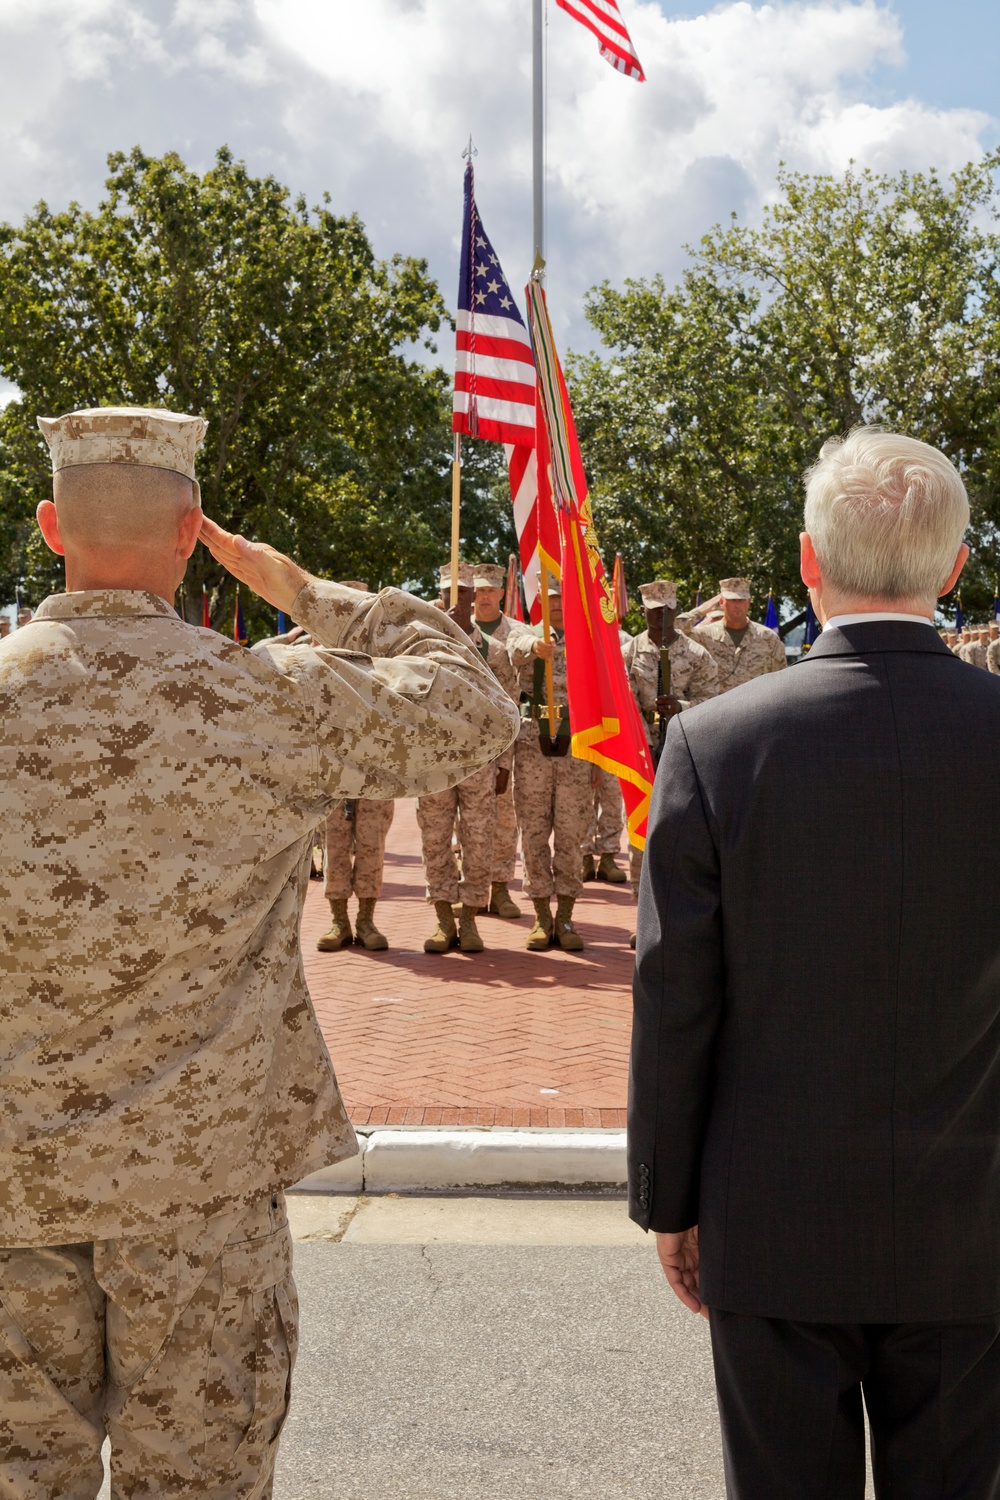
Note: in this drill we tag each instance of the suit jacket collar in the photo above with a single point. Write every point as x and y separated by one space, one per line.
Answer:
878 635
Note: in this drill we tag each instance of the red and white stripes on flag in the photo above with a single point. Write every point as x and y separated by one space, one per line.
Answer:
603 18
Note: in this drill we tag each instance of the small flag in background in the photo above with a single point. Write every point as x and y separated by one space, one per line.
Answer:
603 18
239 626
959 614
513 607
771 617
618 590
812 627
282 623
996 602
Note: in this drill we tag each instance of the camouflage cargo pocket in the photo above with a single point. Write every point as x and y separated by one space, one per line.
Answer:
253 1349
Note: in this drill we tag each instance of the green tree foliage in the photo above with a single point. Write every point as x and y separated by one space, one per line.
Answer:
219 295
859 298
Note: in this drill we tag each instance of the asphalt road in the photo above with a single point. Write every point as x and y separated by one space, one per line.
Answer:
526 1368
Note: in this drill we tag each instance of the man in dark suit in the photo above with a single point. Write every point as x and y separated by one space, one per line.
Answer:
814 1118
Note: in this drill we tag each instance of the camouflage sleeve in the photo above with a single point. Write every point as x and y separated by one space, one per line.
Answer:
500 665
689 621
704 680
520 645
778 657
402 703
993 657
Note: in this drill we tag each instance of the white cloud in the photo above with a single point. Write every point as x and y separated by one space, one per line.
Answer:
375 102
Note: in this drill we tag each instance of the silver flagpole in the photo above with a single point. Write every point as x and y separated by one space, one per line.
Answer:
538 127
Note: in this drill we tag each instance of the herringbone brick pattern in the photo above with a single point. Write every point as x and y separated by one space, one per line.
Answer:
504 1037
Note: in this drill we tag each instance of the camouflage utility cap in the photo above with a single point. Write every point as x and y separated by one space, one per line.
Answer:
464 576
660 594
144 436
734 588
488 576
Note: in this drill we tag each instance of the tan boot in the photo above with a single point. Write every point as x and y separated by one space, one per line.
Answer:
445 934
588 872
566 934
468 933
365 931
609 871
631 942
340 934
540 936
500 903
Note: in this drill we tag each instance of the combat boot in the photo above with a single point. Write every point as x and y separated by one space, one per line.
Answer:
340 934
445 934
468 933
566 934
500 903
588 872
365 931
609 871
540 936
631 942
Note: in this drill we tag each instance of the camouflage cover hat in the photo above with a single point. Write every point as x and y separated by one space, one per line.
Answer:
353 583
734 588
659 594
555 587
464 576
488 576
145 436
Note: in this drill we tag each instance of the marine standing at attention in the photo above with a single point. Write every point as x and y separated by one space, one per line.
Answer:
742 648
162 1071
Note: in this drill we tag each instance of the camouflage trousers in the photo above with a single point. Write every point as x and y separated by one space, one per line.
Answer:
634 869
607 817
553 799
355 848
179 1348
505 836
469 810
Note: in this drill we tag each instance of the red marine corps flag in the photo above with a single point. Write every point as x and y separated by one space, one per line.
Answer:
604 717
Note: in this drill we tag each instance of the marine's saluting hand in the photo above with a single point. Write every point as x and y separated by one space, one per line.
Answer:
268 572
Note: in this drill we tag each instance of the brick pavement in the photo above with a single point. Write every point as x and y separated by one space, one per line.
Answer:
504 1037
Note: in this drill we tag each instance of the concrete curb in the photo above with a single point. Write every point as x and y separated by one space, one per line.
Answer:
414 1159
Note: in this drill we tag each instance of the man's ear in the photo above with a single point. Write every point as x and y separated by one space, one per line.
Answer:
953 576
48 525
187 532
808 565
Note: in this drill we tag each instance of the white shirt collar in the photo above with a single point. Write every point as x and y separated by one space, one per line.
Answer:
839 620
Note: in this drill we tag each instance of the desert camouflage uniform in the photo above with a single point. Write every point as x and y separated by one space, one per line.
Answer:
603 834
761 650
976 654
993 657
552 794
160 1062
505 832
467 811
694 678
355 848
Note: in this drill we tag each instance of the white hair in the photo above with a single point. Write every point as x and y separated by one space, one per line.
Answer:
886 515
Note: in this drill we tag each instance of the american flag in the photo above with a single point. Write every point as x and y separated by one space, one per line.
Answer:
495 385
603 18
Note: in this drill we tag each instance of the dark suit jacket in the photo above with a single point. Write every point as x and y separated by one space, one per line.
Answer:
815 1071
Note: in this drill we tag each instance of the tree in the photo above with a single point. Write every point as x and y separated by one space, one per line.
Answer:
859 298
219 295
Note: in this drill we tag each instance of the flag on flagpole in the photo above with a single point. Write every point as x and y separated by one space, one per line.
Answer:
603 18
959 614
697 602
771 616
605 726
282 623
512 606
812 627
239 626
996 602
495 391
206 614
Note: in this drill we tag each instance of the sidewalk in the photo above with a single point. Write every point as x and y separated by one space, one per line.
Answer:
504 1037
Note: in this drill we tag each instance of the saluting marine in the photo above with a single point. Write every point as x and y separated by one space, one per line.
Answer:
488 581
742 649
693 678
162 1071
551 787
466 811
